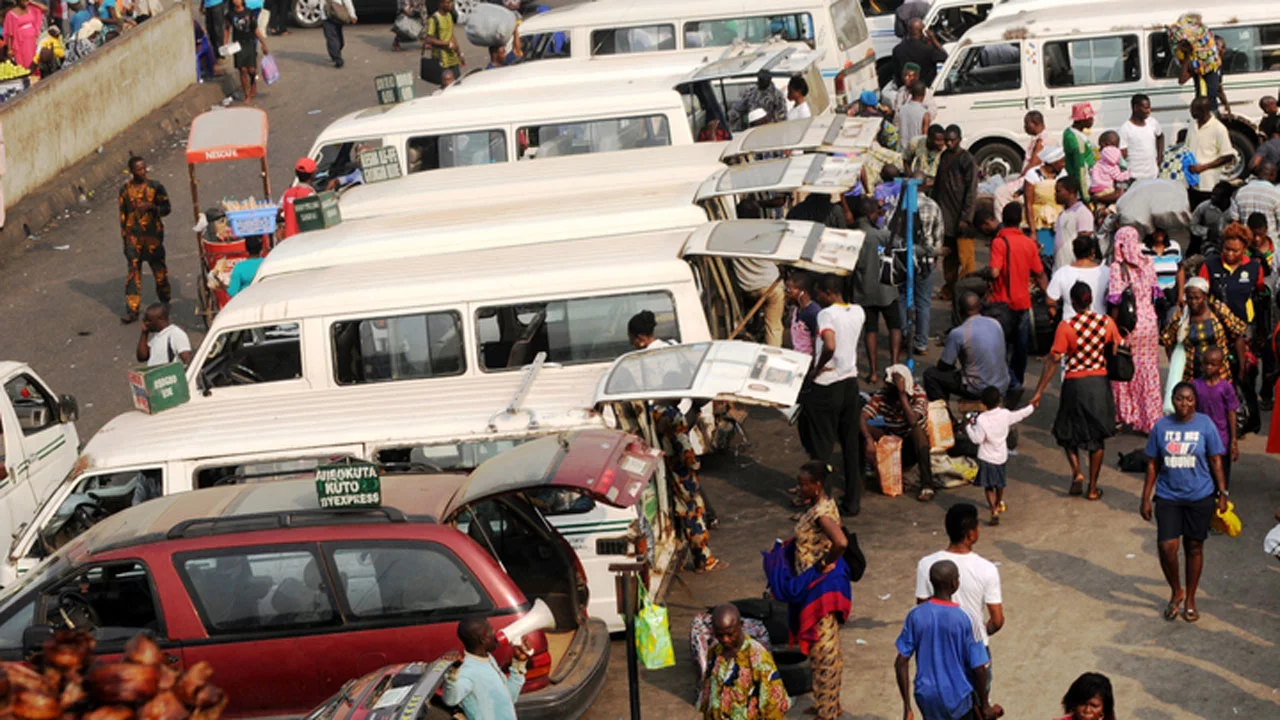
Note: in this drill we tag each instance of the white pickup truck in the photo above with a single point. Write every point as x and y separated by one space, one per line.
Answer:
38 443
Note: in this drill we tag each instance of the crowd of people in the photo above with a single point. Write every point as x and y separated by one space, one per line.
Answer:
41 38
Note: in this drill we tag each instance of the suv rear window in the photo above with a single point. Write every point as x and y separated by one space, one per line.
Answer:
257 589
386 581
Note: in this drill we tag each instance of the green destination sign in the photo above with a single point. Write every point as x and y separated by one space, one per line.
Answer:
348 485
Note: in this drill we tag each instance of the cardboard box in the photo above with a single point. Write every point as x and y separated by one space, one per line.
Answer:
156 389
317 212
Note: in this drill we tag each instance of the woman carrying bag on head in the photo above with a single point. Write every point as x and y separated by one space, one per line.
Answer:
1131 294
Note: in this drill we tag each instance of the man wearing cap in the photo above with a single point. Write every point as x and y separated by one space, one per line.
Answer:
922 49
304 169
763 95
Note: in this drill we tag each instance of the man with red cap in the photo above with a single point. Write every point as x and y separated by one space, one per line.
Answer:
304 169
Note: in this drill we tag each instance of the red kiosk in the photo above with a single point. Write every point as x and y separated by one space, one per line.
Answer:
219 136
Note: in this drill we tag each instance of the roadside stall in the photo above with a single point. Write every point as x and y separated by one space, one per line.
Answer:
218 136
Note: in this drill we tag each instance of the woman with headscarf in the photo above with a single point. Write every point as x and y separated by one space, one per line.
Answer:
1076 146
1204 322
1138 402
1039 192
1086 411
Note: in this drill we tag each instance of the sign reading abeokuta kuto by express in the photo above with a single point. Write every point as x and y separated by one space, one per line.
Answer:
348 485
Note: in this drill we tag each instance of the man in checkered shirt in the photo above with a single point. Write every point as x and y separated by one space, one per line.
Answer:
1260 195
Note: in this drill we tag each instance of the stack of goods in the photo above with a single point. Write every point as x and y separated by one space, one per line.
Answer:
143 686
13 79
250 217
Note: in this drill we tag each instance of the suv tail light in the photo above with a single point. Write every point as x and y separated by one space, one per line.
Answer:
537 674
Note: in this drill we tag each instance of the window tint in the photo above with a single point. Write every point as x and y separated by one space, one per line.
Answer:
985 68
850 25
93 498
444 457
247 590
268 353
34 405
593 136
380 581
12 628
432 152
952 23
261 471
408 347
569 331
1250 49
1093 61
621 41
107 599
553 44
876 8
341 159
719 33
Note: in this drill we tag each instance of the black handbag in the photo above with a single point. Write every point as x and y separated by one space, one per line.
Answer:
1126 312
853 556
430 70
1120 363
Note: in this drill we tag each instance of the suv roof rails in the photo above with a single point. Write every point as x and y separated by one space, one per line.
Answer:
204 527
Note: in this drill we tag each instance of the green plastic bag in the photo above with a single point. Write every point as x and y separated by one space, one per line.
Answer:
653 635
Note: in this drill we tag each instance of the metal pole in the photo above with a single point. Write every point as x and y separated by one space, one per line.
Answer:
910 203
626 577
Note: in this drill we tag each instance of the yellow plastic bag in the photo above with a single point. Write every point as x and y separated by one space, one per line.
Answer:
1227 523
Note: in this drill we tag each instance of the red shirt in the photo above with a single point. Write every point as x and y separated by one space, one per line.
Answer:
286 202
1014 284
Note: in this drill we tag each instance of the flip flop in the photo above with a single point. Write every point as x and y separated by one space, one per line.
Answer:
995 520
925 495
1077 486
1095 495
1171 610
1190 614
714 565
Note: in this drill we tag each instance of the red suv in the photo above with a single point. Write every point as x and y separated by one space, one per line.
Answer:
288 601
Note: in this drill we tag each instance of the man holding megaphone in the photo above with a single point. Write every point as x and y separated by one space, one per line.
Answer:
475 682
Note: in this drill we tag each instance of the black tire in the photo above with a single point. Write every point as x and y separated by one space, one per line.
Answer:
997 158
1245 144
793 669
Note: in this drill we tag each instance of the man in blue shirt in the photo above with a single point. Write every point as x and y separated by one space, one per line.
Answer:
79 16
951 673
477 685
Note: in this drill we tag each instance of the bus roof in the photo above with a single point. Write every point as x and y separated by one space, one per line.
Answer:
1035 20
597 69
489 275
619 13
556 179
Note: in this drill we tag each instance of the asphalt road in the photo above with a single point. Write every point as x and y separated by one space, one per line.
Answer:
1082 587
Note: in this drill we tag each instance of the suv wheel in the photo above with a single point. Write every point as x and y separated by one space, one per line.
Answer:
997 158
308 13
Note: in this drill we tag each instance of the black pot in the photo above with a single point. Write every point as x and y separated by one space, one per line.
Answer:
793 668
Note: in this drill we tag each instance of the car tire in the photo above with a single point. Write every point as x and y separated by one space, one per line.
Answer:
793 670
1245 146
997 158
308 13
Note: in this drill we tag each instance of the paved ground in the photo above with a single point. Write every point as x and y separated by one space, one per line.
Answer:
1082 587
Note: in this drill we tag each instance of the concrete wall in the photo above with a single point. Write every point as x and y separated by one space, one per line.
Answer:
70 115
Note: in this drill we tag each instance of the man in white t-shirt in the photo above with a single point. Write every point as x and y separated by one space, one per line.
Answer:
831 403
162 342
1142 139
979 594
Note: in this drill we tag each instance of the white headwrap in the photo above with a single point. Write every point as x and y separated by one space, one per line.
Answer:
902 370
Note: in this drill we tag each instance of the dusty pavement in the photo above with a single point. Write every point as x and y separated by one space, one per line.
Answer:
1082 587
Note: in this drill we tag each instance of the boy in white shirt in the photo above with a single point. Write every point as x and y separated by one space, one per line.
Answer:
990 431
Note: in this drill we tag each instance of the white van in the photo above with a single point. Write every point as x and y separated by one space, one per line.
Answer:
38 443
137 457
616 27
1098 52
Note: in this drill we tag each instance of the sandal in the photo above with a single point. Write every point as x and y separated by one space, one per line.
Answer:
1077 486
926 494
1171 610
1190 614
995 519
714 565
1095 495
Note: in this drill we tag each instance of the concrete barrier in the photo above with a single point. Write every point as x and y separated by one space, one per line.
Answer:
50 127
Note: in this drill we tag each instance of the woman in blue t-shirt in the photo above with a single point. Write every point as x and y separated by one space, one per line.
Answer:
1184 471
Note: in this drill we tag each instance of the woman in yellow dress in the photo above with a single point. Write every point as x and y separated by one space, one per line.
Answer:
820 541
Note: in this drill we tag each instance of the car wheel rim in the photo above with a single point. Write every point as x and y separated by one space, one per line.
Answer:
996 166
308 12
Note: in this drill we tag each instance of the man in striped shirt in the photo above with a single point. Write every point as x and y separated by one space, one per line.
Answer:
1258 196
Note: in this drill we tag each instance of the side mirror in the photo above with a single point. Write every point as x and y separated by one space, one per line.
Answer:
33 639
68 409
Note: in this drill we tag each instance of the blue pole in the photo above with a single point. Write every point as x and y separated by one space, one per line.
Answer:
909 203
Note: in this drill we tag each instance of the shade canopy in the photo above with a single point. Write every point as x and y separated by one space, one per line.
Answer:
230 134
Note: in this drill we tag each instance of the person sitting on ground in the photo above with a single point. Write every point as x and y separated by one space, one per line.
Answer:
902 406
951 664
246 270
475 682
161 342
743 682
972 359
990 431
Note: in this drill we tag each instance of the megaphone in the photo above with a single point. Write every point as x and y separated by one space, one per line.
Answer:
539 618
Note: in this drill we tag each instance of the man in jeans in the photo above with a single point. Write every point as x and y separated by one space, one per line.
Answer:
929 233
832 408
1015 260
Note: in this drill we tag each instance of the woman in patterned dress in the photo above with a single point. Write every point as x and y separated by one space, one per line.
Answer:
1203 323
1086 411
820 541
1139 403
